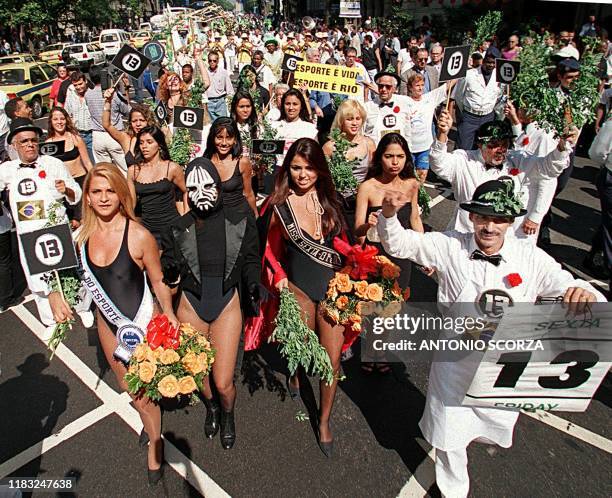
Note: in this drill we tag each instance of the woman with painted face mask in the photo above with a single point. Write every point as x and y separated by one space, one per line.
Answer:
153 180
224 149
212 253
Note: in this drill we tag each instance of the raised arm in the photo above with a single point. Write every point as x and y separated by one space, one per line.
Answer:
443 163
246 170
121 137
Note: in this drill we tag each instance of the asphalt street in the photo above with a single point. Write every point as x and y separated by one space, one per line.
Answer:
66 417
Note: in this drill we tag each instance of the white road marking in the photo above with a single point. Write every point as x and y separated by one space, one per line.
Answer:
119 404
584 276
572 429
50 442
445 194
422 479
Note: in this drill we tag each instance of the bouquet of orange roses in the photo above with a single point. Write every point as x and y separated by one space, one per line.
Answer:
367 279
170 362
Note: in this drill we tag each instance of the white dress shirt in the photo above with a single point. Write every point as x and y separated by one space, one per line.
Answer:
446 424
31 193
474 96
465 170
383 120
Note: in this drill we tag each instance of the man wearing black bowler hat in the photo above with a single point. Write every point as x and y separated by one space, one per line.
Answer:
388 113
469 267
35 183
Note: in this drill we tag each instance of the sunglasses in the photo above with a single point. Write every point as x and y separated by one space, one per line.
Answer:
382 85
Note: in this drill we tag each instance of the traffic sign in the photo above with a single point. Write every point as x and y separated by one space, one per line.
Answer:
54 149
506 71
161 113
130 61
290 62
188 117
268 146
154 51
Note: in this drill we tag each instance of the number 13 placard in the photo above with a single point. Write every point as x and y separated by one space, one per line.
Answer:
558 367
49 249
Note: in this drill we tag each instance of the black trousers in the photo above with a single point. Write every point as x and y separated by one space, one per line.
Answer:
12 280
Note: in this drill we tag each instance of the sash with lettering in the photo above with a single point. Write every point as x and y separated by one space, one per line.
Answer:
319 253
130 333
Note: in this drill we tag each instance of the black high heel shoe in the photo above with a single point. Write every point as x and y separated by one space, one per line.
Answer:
154 476
326 447
228 429
211 423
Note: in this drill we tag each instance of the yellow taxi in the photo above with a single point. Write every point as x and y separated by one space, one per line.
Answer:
53 53
29 80
140 38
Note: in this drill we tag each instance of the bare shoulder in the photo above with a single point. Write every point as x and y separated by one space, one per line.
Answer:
328 148
175 168
245 165
141 236
370 144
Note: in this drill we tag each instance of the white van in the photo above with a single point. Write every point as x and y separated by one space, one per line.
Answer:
111 41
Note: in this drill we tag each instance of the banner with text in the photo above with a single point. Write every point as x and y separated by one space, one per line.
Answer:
326 78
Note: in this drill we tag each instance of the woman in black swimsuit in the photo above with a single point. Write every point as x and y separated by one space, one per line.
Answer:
118 251
308 215
153 180
140 117
75 156
212 252
392 169
224 149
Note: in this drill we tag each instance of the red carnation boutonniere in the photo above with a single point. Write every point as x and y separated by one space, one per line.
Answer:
42 174
525 141
396 109
514 279
514 171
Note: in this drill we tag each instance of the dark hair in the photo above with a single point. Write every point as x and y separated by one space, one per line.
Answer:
187 65
158 136
10 108
292 92
332 219
70 128
376 168
258 52
95 75
367 37
77 76
214 52
229 125
350 49
61 64
252 119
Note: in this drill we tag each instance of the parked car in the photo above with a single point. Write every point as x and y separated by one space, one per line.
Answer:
83 55
53 53
139 38
17 58
111 41
29 80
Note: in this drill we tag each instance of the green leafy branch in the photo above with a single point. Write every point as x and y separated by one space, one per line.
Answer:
505 200
340 167
485 27
298 343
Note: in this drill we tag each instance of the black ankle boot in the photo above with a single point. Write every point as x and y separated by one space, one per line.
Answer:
211 423
228 430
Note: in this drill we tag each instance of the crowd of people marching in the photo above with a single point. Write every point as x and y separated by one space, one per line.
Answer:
209 235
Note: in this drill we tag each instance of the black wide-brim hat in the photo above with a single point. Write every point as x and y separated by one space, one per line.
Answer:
22 124
495 198
380 74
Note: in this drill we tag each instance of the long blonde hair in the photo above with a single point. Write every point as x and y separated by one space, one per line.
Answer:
348 108
118 183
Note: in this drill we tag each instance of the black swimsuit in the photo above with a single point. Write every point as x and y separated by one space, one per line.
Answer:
122 280
210 240
304 271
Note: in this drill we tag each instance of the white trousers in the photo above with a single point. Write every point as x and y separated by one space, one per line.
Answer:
452 473
105 149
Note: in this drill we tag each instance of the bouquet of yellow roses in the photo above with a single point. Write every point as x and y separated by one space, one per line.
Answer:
367 279
170 365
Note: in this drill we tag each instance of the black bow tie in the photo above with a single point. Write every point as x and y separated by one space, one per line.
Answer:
493 166
385 104
495 259
24 165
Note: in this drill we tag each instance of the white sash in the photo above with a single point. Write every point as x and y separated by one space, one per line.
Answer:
129 332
